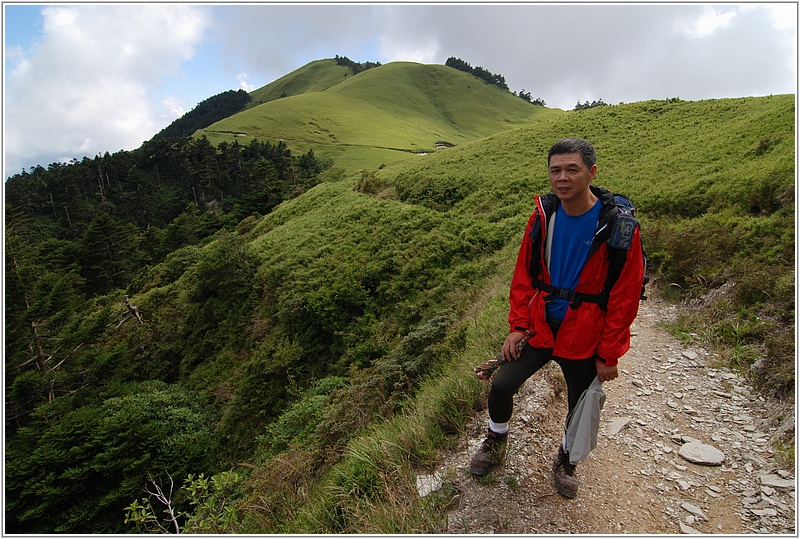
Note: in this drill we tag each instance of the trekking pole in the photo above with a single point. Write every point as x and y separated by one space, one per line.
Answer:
485 370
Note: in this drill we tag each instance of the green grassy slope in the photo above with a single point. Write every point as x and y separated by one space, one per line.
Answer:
316 76
380 116
674 158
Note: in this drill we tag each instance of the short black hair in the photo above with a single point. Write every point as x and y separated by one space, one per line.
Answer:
574 145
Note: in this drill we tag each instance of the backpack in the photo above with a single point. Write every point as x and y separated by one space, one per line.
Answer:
619 241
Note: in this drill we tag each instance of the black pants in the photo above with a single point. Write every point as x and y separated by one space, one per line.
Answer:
578 373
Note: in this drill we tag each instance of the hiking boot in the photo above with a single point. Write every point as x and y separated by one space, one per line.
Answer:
489 454
563 472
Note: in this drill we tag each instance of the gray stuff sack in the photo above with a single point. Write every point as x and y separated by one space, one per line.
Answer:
583 422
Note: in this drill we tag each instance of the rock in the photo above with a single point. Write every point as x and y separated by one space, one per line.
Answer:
615 427
693 509
428 483
687 529
768 512
775 481
689 354
700 453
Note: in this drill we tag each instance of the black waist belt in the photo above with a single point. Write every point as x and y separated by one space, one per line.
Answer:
575 298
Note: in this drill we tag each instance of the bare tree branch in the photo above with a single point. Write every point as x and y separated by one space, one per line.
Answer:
133 309
166 500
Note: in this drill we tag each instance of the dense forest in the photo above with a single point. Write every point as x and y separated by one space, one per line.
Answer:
236 336
78 231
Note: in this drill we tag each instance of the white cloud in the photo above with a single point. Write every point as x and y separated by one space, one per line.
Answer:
784 16
83 88
709 21
175 107
243 84
269 41
422 52
407 36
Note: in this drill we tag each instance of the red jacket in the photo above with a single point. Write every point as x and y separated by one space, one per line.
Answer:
587 330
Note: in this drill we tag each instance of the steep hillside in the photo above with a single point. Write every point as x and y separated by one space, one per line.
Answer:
731 248
380 116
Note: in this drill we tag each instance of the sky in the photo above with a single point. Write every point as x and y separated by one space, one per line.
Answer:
85 79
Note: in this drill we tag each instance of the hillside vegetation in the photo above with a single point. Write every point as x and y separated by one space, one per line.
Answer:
377 117
292 368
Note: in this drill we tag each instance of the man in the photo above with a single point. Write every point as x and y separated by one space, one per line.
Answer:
562 306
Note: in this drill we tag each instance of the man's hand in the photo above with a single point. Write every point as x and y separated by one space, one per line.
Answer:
606 373
514 343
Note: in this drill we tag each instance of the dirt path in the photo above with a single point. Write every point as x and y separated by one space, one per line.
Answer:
634 482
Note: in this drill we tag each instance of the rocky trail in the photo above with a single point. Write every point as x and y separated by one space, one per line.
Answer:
645 475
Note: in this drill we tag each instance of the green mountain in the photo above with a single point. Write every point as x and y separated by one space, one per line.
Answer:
304 336
377 117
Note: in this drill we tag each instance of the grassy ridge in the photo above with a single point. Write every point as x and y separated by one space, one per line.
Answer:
316 76
386 113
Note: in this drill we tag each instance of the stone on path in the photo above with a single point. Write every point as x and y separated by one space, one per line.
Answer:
693 509
700 453
687 529
614 427
768 512
776 481
689 354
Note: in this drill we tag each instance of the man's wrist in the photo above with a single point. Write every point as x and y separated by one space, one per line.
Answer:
606 362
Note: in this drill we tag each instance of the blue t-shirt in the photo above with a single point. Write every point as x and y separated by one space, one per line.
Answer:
572 238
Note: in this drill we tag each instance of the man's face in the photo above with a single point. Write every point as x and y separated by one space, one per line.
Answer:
570 177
